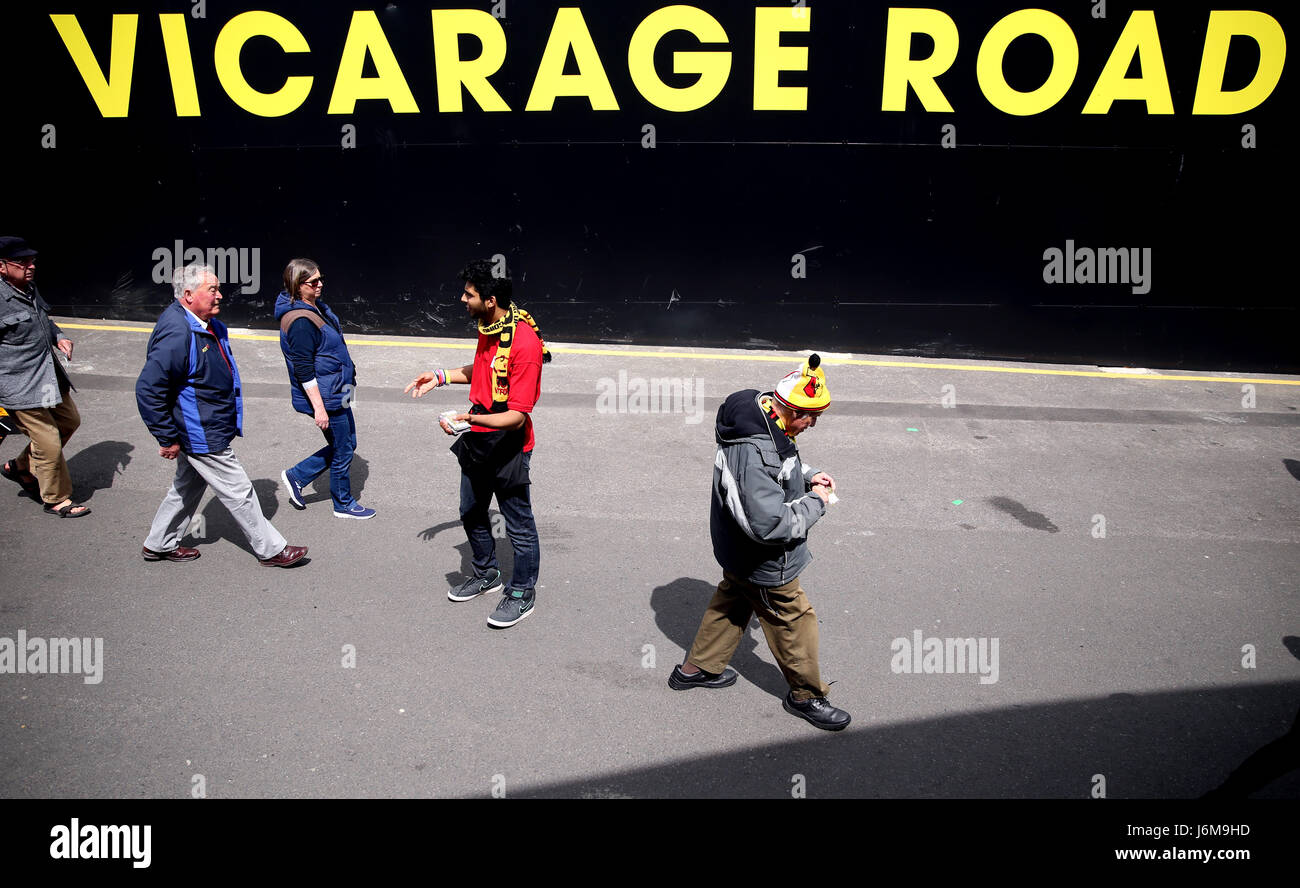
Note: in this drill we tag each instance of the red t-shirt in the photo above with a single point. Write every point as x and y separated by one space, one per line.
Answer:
525 376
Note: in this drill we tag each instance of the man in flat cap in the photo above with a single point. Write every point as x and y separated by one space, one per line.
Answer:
764 503
34 387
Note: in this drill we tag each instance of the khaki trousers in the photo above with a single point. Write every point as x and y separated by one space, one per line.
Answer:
49 429
788 621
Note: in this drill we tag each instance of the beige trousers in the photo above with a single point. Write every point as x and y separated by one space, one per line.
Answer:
787 619
49 429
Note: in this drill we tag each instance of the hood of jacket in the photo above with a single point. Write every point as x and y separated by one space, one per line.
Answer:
284 305
741 418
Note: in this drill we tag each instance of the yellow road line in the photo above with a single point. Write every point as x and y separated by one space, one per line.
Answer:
774 358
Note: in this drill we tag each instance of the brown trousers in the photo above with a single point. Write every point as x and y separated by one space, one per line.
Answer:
49 429
787 619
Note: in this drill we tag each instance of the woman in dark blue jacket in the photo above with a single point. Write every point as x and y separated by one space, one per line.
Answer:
324 384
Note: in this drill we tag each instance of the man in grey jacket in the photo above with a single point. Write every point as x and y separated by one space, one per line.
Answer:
764 503
34 387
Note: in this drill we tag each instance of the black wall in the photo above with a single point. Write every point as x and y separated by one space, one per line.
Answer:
911 248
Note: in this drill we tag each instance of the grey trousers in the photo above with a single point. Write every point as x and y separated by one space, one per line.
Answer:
229 482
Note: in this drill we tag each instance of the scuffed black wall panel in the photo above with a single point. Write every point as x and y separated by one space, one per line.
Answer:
910 248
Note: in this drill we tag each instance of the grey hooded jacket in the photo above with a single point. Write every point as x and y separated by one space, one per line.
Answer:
30 375
761 508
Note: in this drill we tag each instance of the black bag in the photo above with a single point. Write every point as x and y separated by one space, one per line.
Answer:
498 454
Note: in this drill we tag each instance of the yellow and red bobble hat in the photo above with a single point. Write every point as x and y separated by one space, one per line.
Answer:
804 388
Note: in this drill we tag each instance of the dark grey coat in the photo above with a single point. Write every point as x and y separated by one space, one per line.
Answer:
30 375
761 511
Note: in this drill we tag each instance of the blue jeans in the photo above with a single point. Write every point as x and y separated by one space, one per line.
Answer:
516 507
336 455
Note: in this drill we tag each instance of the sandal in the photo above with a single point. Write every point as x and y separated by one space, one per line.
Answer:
66 510
32 487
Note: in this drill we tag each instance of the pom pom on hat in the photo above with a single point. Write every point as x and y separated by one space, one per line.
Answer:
804 389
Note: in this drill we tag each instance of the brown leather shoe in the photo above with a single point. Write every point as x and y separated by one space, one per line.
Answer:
290 555
180 553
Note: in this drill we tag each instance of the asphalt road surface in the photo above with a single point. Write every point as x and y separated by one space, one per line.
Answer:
1124 546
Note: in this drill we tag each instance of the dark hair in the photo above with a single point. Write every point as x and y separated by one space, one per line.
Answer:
296 274
489 286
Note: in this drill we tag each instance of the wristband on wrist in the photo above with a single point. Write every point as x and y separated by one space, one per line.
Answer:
442 378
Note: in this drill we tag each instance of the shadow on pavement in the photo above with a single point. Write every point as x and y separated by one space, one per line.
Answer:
1267 764
93 468
1156 745
220 525
359 475
678 607
505 554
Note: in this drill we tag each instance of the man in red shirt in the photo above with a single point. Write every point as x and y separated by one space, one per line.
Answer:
505 382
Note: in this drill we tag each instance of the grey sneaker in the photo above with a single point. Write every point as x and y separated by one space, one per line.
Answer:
514 606
476 586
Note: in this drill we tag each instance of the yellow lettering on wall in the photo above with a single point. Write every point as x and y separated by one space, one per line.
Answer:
1065 62
771 58
180 64
570 32
1224 25
455 72
713 67
366 35
1140 38
112 94
901 70
230 42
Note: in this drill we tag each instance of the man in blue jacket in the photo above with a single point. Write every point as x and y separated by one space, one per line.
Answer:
189 396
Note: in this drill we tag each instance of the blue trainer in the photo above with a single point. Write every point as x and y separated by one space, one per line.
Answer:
295 491
358 511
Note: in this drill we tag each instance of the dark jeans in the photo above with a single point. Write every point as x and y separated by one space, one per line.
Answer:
516 506
336 455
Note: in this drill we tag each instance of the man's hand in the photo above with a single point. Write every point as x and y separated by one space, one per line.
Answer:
822 491
821 479
322 419
460 417
65 346
423 384
169 452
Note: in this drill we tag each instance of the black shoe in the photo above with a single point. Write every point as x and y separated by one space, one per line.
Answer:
818 713
680 681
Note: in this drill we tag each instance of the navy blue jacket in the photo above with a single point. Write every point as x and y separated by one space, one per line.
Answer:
324 350
189 390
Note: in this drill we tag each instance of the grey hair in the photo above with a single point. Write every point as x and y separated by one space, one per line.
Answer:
190 277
